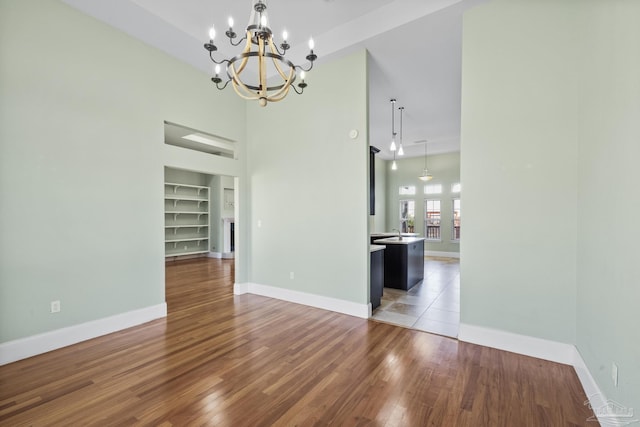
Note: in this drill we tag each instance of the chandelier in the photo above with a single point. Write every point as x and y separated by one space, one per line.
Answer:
259 48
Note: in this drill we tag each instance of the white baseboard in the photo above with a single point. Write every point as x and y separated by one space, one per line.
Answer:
222 255
240 288
554 351
326 303
516 343
22 348
443 254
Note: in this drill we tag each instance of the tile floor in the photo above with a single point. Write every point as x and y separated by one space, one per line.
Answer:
432 305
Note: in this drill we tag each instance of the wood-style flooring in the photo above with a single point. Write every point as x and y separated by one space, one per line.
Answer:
225 360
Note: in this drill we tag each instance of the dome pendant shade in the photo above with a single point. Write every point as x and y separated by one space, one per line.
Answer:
426 176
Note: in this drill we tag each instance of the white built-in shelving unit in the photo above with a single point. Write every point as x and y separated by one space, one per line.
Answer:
186 219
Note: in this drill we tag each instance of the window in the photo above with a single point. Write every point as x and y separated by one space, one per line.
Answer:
455 188
407 190
407 215
433 189
455 232
432 219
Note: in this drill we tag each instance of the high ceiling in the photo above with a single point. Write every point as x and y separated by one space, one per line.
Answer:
415 47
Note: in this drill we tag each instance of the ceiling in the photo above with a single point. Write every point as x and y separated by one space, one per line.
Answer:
415 48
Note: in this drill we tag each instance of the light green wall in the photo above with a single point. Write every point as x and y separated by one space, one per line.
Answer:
185 177
81 164
551 100
309 185
445 169
608 198
378 222
519 169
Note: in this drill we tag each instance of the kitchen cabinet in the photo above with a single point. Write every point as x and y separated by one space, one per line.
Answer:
403 261
376 278
372 179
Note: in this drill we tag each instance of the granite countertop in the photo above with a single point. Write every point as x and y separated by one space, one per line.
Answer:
373 248
396 241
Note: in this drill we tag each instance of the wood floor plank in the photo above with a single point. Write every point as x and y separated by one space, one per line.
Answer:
226 360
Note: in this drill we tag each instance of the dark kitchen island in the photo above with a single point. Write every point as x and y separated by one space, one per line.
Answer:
403 261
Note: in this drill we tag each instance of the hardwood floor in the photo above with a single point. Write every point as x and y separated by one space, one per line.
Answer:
226 360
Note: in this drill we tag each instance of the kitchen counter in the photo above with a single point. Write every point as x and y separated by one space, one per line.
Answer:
377 236
396 241
374 248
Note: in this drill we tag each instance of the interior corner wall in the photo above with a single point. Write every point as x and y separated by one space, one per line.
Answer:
81 164
309 185
608 198
519 168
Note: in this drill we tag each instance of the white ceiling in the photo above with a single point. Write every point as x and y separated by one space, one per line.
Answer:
415 47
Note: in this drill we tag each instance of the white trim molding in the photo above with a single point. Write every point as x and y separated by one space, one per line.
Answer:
221 255
240 288
442 254
554 351
23 348
516 343
326 303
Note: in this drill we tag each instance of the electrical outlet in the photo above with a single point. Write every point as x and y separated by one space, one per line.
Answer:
55 306
291 275
614 374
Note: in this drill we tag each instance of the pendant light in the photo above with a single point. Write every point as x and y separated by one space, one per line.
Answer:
393 146
401 149
426 176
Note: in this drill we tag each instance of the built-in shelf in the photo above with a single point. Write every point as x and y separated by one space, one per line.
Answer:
186 219
192 239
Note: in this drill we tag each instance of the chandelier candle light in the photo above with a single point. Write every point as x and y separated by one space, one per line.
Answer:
259 36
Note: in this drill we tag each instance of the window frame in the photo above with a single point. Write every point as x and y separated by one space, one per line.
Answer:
453 220
404 226
427 219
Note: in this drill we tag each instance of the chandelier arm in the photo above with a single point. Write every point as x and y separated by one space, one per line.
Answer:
296 89
239 41
217 62
306 70
274 46
223 86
